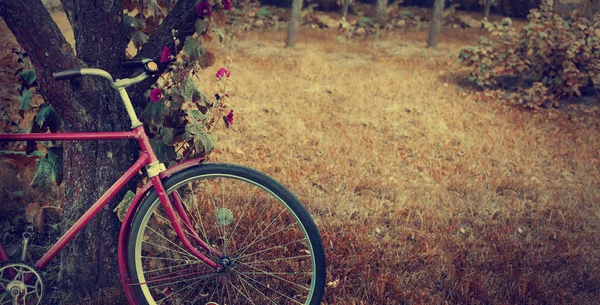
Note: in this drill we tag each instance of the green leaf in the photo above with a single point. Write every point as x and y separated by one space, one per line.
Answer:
165 153
220 32
123 206
167 135
192 93
48 116
131 24
35 154
139 38
28 76
364 21
155 113
200 26
18 193
263 12
49 169
197 131
154 8
207 141
193 48
25 99
176 99
197 115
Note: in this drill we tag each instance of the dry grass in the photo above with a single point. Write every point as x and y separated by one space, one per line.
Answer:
423 192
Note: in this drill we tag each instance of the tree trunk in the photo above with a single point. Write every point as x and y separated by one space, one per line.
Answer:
486 8
345 8
89 262
380 11
294 24
436 24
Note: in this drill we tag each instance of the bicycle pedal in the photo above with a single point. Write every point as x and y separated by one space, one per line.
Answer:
27 235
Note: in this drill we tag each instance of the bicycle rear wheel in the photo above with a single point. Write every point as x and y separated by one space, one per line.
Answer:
269 245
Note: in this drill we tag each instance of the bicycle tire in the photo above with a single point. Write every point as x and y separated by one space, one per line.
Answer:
271 279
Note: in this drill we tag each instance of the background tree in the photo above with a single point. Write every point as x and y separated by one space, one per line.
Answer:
294 24
487 4
436 24
88 264
345 6
380 11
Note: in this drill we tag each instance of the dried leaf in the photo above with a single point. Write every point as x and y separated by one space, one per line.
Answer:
34 213
207 60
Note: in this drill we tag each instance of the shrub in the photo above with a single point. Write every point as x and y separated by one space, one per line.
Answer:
551 58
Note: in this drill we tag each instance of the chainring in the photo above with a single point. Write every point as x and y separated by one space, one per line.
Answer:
20 284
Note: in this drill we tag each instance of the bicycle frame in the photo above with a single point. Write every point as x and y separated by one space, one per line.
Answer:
156 171
146 158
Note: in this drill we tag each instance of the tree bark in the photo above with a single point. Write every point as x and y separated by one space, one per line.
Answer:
89 263
345 8
486 8
436 24
294 24
381 11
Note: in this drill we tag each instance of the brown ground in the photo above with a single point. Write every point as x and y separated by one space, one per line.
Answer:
424 194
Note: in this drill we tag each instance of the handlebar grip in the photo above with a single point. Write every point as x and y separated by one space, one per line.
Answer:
133 63
68 74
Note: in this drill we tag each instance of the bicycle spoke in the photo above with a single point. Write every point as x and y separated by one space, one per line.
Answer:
182 281
255 223
240 292
176 292
167 248
279 293
199 294
275 276
277 259
166 258
260 292
223 225
243 212
172 243
203 230
176 266
269 249
213 201
263 231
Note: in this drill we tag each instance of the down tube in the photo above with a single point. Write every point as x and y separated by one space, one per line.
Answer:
81 222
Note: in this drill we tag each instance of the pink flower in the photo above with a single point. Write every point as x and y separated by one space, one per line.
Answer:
229 117
203 9
223 72
156 95
226 4
165 55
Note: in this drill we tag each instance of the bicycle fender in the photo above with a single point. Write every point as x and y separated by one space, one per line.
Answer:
126 225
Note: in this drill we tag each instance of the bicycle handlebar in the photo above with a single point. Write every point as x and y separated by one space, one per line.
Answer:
149 65
68 74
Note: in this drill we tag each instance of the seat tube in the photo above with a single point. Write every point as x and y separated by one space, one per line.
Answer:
135 122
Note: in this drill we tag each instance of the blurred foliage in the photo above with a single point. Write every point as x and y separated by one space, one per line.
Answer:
549 59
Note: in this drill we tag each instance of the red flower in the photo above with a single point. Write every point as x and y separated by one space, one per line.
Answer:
226 4
165 55
229 117
156 95
203 9
223 72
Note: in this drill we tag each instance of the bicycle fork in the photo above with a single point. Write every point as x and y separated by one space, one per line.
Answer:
174 207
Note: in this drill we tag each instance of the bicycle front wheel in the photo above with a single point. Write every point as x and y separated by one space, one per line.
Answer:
268 244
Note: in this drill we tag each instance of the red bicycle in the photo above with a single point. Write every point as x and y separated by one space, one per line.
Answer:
195 234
